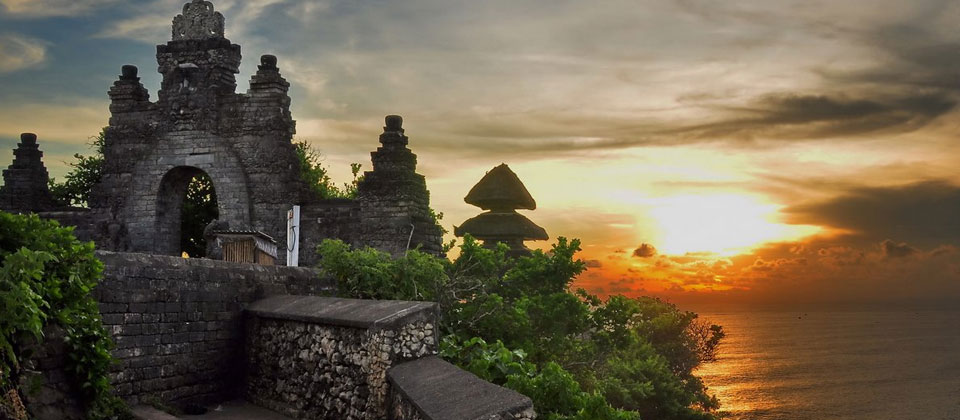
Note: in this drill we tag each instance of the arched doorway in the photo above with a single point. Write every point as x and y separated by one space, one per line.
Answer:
186 203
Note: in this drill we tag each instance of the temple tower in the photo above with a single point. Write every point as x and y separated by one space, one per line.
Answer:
394 201
199 126
501 193
25 182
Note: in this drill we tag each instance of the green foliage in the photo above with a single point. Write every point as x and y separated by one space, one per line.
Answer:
493 362
45 278
554 391
315 175
515 322
84 174
199 209
370 274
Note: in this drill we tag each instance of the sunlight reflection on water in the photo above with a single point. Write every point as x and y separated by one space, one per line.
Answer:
837 365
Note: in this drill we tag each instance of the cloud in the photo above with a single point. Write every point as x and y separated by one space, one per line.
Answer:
18 52
487 75
50 8
924 213
151 28
645 250
151 22
819 270
916 54
892 249
593 263
794 116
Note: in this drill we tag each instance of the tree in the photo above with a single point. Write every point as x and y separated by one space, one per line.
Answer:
515 322
84 174
316 176
199 209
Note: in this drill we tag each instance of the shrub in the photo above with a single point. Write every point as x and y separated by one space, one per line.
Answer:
516 323
45 279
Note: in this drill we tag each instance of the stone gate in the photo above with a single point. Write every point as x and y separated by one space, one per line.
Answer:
200 125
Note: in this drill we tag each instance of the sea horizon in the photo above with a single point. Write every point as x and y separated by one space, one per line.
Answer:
839 364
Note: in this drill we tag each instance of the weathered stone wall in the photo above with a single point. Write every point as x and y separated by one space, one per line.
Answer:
49 392
77 217
327 358
432 389
327 219
177 324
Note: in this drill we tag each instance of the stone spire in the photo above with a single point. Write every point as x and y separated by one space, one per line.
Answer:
268 81
393 156
198 21
394 201
501 192
25 181
127 94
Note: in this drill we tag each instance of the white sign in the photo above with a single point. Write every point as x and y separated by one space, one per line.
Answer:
293 236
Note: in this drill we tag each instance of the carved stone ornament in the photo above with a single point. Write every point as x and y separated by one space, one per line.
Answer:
198 21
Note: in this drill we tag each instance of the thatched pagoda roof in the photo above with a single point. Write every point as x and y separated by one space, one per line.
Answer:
500 189
496 225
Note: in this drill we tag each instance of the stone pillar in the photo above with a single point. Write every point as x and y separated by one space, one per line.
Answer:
25 186
394 201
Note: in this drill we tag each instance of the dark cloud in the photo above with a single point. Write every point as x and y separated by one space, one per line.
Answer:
645 251
794 116
917 56
892 249
593 264
771 118
925 214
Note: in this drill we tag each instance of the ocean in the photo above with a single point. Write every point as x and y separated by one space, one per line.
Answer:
837 365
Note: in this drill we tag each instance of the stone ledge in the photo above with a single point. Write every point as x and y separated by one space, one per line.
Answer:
356 313
440 390
166 261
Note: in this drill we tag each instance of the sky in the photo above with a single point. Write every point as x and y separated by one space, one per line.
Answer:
754 152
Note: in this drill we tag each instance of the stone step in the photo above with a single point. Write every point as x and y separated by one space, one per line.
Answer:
231 410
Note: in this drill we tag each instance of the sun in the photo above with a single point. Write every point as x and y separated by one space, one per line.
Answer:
722 224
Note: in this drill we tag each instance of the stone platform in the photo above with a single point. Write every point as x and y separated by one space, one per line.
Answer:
232 410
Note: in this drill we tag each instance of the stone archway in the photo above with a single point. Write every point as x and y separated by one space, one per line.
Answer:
171 197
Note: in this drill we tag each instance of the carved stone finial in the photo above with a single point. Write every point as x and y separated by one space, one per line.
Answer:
394 123
268 61
28 138
129 72
198 21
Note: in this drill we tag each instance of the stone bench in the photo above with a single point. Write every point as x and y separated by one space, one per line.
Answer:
432 389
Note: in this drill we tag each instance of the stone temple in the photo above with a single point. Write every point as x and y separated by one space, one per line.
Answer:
200 124
205 331
501 193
